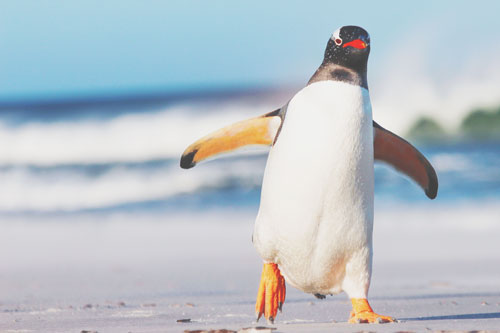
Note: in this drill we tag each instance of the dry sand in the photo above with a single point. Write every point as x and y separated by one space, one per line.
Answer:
435 268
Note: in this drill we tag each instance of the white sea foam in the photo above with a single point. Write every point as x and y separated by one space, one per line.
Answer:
72 146
409 83
132 137
23 189
452 162
47 166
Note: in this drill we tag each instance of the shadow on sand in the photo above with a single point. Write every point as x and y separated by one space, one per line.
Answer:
491 315
436 296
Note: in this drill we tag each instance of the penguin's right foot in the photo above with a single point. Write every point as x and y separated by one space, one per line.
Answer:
271 294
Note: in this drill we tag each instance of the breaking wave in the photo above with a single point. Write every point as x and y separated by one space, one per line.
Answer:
126 138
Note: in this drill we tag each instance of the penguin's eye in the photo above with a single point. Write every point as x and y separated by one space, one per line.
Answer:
338 41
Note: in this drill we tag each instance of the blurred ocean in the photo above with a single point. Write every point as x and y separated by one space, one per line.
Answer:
123 156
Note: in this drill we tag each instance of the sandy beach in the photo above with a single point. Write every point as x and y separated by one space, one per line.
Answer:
435 268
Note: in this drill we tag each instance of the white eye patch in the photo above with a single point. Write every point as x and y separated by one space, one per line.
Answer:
336 34
336 37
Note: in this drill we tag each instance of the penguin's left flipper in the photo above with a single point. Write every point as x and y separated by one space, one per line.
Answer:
255 131
390 148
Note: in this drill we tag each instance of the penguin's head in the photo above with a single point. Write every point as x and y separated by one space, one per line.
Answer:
349 46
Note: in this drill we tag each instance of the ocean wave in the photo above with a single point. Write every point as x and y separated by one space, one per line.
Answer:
132 159
230 181
67 188
130 137
453 162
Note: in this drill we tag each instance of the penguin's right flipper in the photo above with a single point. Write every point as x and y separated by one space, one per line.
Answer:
255 131
399 153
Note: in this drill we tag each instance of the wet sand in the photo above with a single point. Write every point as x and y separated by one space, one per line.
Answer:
434 269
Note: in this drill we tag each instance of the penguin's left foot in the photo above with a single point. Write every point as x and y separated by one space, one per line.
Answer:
271 294
362 313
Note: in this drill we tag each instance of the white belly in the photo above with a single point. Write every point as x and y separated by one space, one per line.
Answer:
316 213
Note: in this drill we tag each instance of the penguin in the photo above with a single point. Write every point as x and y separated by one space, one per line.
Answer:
315 221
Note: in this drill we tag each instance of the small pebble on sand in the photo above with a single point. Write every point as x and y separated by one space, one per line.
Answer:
185 320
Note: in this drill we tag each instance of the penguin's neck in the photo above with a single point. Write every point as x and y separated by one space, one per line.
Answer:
333 72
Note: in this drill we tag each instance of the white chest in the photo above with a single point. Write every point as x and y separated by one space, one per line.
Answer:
317 195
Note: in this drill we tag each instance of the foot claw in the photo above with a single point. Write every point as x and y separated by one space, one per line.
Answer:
270 320
370 317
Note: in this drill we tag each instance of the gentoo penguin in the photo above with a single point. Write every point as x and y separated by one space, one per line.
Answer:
315 221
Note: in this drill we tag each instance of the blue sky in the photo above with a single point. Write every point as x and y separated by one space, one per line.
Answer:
53 49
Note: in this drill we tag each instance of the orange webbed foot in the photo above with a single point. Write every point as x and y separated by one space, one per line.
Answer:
271 294
363 313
